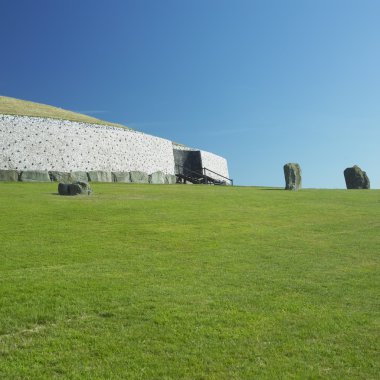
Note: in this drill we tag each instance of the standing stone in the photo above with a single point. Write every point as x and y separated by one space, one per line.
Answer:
356 178
293 177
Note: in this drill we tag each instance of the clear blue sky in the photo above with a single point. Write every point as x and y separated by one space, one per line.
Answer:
260 82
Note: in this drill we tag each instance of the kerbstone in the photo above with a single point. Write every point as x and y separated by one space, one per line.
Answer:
157 178
170 179
139 177
121 177
99 176
293 176
35 176
356 178
79 176
60 176
9 175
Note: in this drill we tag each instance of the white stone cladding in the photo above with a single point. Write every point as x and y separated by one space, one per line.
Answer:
210 161
31 143
215 163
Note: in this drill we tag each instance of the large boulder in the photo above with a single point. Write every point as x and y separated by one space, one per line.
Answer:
60 176
99 176
139 177
79 176
35 176
293 177
170 179
157 178
121 177
75 188
356 178
9 175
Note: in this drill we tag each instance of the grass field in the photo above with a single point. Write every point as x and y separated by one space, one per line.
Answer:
13 106
189 282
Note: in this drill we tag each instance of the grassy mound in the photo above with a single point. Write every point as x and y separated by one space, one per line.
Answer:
12 106
196 282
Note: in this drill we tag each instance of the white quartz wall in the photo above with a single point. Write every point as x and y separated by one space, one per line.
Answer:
215 163
210 161
31 143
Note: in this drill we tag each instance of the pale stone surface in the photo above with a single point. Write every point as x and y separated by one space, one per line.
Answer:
157 178
121 177
170 179
35 176
9 175
139 177
79 176
356 178
293 176
60 145
99 176
60 177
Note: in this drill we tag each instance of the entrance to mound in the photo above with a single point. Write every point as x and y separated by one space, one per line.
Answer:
188 163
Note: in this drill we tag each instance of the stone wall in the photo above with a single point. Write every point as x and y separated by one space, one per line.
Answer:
29 143
35 144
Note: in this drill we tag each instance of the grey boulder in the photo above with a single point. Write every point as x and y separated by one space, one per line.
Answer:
9 175
75 188
356 178
293 176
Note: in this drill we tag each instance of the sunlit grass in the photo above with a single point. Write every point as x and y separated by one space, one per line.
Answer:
195 282
13 106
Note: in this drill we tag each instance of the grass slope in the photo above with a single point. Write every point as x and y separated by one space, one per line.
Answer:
12 106
191 282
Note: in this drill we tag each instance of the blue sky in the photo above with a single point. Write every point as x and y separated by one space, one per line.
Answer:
260 82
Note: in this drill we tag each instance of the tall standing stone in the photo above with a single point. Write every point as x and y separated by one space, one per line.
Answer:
356 178
293 178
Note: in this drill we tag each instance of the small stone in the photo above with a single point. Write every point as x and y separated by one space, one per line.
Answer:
74 188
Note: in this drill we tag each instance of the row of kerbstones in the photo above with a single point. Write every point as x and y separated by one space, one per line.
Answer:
92 176
355 177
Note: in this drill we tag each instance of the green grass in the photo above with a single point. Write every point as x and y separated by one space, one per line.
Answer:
12 106
189 282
